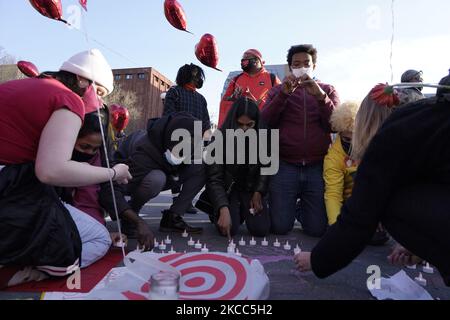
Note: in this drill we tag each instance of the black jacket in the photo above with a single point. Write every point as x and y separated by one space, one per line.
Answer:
221 177
128 145
411 148
35 227
146 152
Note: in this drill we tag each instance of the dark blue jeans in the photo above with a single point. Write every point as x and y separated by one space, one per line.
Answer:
293 182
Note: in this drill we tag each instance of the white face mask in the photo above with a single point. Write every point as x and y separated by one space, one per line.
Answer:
300 72
173 160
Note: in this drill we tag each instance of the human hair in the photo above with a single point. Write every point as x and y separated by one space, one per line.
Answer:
369 119
185 74
343 117
90 125
242 106
306 48
70 80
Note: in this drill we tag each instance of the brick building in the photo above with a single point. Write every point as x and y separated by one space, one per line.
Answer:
147 84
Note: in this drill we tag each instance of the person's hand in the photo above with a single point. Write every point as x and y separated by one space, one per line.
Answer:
290 83
145 236
122 174
312 87
402 257
256 203
303 261
115 238
224 222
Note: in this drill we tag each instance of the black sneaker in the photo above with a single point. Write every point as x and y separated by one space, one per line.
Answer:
171 222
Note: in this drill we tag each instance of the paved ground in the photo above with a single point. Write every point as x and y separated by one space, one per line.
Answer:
285 282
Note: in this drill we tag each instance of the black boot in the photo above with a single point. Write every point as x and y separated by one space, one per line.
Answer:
191 210
171 222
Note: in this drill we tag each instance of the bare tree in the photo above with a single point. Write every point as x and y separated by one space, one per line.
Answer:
129 100
6 58
8 68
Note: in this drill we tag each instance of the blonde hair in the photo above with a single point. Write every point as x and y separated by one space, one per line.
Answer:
343 117
369 119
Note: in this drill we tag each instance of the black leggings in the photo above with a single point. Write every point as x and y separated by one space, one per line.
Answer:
419 219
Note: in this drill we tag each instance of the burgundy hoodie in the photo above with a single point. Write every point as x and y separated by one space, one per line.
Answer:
303 121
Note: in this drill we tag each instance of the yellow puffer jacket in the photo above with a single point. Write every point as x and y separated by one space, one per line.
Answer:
338 174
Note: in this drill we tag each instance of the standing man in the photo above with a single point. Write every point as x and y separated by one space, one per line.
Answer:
300 108
254 82
184 97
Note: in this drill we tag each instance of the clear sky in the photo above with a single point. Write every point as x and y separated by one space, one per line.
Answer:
353 37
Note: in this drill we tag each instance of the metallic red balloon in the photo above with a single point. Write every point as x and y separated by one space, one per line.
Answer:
120 117
207 51
83 3
28 69
175 14
49 8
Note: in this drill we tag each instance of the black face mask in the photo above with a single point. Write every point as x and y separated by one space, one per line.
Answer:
250 66
81 156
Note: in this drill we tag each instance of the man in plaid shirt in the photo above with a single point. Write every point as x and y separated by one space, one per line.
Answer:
184 97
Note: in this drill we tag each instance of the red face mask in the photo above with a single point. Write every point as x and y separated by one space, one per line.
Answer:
91 101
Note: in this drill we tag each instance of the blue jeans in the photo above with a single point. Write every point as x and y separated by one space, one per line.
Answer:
286 187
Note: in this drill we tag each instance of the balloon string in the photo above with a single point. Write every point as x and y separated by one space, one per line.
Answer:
89 39
392 40
105 149
419 85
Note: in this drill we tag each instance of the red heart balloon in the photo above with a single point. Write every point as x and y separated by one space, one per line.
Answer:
120 117
207 51
83 3
175 14
49 8
28 69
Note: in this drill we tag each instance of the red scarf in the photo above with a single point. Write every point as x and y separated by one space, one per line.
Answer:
190 87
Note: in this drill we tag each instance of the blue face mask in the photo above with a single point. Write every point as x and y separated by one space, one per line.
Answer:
173 160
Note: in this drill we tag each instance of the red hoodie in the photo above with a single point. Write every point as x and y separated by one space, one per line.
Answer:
255 87
303 121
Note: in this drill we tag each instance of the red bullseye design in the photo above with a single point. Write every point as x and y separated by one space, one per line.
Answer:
211 276
195 282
